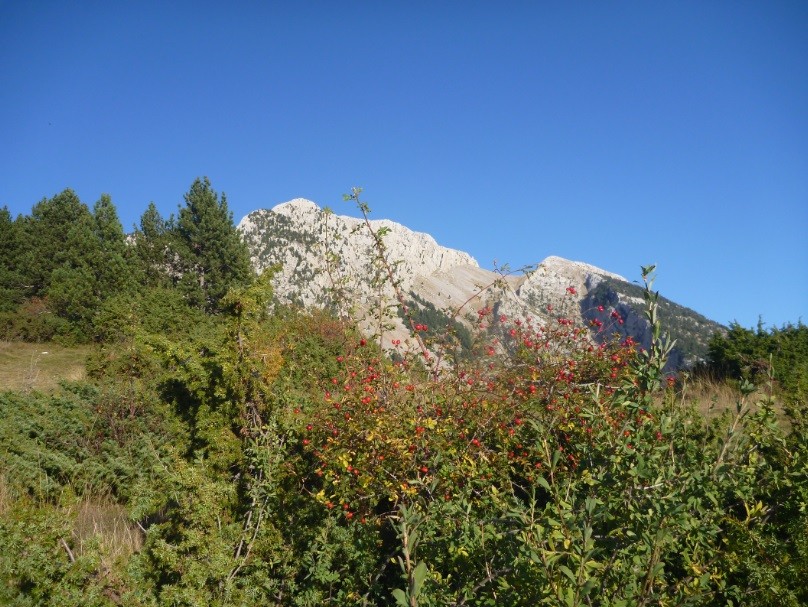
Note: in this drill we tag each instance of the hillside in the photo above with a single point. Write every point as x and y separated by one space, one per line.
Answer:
208 445
329 260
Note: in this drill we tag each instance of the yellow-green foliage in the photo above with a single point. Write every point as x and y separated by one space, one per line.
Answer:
268 456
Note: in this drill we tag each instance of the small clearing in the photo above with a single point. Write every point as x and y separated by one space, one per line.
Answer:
27 366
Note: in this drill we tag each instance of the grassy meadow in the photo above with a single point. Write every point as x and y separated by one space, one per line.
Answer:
40 366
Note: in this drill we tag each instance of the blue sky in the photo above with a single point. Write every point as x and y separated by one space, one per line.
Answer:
616 133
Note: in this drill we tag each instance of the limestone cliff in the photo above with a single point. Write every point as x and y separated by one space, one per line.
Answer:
330 260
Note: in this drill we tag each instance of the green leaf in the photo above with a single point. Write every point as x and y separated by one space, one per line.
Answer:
418 576
566 571
400 596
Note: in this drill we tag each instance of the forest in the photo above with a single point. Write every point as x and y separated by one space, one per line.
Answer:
221 448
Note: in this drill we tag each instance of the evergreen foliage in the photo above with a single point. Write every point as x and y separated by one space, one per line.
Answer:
64 263
115 268
152 248
756 355
73 275
45 234
85 438
11 281
689 329
262 455
95 266
211 257
439 324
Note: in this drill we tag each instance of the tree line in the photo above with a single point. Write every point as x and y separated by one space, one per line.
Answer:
70 271
222 451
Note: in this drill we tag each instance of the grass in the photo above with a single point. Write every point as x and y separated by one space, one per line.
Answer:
27 367
105 525
6 497
713 398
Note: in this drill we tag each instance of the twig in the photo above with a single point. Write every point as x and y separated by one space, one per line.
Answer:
381 252
70 554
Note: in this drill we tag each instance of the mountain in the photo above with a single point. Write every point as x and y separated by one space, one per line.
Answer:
329 260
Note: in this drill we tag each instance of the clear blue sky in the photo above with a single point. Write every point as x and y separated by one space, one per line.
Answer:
616 133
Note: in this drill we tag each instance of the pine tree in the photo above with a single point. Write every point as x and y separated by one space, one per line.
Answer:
75 259
43 246
152 248
115 269
11 284
73 291
212 256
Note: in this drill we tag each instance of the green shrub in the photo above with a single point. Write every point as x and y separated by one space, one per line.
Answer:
758 355
274 457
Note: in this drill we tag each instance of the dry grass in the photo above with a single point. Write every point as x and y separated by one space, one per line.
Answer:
26 366
6 499
100 527
713 398
103 526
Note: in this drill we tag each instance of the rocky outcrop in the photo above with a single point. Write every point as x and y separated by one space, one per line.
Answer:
330 260
318 251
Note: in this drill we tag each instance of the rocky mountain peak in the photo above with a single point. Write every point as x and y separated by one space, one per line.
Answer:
331 260
321 251
296 206
560 265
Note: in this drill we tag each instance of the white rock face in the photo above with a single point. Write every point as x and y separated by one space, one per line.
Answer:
321 253
329 259
561 266
464 288
548 284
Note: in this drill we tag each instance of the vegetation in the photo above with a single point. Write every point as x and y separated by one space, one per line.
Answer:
438 324
210 257
778 356
25 367
226 450
67 263
688 329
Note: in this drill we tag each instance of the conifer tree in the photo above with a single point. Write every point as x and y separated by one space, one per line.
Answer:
73 293
115 267
43 238
212 256
152 247
11 285
74 258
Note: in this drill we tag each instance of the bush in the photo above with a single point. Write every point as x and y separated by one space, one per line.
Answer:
277 457
33 321
759 355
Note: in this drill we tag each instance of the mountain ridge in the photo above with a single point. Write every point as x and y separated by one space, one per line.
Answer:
329 260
